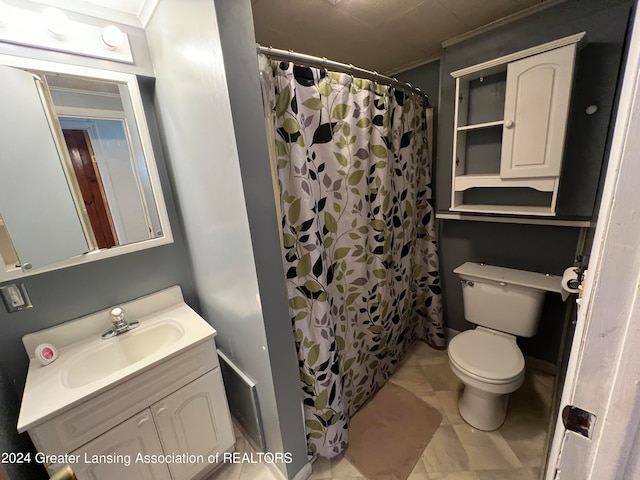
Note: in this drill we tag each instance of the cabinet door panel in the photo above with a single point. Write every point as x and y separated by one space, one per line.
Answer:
135 436
536 109
194 420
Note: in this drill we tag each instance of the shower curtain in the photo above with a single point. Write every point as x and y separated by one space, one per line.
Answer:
358 234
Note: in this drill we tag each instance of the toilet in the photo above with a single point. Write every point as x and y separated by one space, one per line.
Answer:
504 304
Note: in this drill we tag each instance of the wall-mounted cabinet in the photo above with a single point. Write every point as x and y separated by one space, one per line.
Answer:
509 130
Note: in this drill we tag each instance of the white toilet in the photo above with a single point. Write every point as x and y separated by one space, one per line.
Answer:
504 303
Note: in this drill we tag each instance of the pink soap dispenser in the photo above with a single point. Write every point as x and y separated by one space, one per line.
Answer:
46 353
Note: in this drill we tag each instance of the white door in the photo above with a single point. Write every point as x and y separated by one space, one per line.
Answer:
603 376
535 113
195 420
113 454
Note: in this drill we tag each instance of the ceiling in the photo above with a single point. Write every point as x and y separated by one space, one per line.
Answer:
387 36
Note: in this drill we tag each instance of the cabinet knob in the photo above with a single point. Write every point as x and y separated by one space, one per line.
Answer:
142 421
509 124
162 411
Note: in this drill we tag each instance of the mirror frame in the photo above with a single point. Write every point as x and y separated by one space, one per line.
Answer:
142 129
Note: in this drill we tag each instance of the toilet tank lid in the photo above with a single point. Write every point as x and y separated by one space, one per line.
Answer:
539 281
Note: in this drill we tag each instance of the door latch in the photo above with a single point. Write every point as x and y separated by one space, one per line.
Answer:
578 420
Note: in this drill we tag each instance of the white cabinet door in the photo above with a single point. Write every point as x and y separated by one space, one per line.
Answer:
106 457
194 420
535 113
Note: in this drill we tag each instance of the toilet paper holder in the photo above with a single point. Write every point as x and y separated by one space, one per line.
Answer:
575 283
579 268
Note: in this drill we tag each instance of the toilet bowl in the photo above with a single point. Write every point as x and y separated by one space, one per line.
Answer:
491 366
504 303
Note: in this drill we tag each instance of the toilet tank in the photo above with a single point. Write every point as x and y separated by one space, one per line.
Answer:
504 299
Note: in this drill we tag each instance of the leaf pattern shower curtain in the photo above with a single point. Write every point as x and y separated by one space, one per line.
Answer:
358 236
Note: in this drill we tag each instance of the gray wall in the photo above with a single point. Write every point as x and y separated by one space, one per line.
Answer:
538 248
427 78
73 292
10 440
240 289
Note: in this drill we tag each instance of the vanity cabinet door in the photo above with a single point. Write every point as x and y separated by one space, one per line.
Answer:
107 456
535 114
194 420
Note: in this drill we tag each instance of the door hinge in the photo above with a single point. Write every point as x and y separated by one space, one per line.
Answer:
578 420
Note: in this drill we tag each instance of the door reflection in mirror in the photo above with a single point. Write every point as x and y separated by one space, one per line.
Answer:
118 206
88 178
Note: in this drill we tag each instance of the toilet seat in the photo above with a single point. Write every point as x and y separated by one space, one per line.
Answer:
487 356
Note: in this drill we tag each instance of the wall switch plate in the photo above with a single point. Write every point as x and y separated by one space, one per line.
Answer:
15 297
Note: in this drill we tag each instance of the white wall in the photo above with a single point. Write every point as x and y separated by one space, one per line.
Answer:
195 117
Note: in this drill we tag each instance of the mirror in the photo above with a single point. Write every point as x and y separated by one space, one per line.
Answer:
78 181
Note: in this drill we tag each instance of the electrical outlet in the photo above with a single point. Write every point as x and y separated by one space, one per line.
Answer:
15 297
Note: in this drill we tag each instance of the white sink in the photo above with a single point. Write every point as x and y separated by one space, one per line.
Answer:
99 360
88 366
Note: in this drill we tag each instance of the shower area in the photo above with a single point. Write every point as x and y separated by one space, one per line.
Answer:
351 163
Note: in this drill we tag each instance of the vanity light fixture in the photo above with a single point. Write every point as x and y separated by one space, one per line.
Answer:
112 37
52 29
56 22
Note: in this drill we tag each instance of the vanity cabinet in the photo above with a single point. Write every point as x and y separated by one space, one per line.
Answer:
176 407
135 436
510 125
189 421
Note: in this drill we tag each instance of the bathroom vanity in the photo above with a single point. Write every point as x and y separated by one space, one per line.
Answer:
146 404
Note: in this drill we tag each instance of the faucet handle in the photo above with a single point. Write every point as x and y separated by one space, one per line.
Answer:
117 314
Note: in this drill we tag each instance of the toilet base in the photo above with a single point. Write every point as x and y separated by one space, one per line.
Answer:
483 410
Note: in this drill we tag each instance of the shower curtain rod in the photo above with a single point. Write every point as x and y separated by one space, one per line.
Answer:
310 60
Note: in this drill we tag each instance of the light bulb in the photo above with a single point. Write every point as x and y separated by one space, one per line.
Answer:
112 36
56 21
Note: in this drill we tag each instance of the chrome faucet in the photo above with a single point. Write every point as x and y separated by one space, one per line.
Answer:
120 325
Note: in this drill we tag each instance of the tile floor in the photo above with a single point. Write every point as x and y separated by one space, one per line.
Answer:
243 471
457 451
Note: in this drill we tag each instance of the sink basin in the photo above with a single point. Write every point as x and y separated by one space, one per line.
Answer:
104 357
88 366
